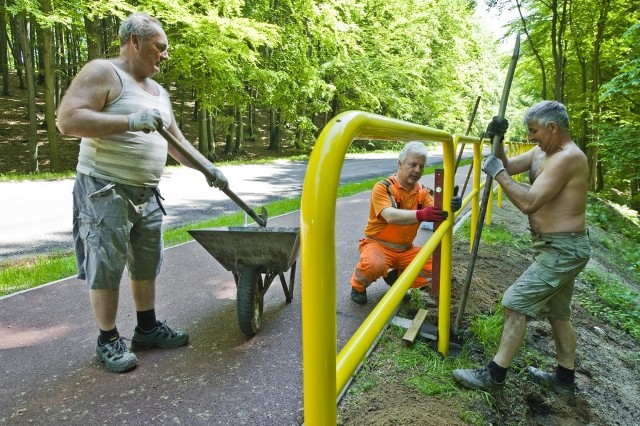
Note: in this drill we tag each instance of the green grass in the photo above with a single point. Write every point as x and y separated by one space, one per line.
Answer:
425 370
20 177
36 271
607 298
622 233
496 235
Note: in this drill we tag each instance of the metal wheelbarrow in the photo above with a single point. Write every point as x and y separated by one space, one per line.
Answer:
255 256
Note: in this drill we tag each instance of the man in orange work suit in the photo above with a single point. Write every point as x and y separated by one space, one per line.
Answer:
399 204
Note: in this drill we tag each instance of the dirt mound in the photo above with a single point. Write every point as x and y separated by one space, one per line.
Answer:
607 361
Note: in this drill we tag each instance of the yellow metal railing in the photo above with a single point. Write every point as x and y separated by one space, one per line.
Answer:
324 374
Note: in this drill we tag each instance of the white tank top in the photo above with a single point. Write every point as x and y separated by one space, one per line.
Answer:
131 158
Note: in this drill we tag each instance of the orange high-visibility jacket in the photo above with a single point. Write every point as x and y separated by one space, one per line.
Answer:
389 193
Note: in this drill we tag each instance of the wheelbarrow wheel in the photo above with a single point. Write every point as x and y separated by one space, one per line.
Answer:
250 301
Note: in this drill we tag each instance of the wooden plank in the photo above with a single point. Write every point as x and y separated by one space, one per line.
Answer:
427 331
414 328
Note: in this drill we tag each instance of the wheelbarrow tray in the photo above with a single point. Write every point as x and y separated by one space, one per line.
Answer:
250 252
266 249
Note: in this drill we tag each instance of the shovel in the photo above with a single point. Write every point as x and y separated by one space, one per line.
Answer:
198 163
487 192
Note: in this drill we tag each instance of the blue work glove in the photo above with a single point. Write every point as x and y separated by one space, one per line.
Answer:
498 126
456 200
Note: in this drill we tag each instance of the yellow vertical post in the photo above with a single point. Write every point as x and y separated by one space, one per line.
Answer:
318 265
475 202
446 251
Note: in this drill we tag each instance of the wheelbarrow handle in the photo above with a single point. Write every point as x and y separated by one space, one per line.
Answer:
191 155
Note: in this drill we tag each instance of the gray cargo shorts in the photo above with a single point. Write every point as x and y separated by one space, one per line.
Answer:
116 225
545 289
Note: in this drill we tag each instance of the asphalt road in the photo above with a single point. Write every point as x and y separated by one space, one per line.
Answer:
36 217
47 336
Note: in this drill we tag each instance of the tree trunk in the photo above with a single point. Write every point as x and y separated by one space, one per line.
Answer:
595 173
230 122
275 130
31 92
635 194
49 90
203 141
211 136
15 50
599 177
543 71
592 158
93 29
558 27
238 149
252 117
4 57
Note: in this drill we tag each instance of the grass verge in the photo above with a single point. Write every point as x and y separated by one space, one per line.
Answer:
36 271
422 368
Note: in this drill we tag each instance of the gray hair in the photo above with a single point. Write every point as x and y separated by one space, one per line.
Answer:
545 112
414 147
141 24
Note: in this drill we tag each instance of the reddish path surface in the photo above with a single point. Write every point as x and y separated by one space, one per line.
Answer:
47 343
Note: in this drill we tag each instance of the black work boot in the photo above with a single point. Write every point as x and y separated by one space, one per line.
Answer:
542 377
358 297
392 276
479 379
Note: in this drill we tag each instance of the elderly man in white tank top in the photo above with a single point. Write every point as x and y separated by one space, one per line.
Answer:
116 107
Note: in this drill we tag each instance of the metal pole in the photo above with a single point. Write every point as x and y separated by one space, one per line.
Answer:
487 190
199 164
471 119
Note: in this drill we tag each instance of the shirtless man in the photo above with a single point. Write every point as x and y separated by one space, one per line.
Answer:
116 108
555 203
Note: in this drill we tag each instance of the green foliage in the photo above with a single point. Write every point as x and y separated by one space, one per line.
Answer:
618 151
606 297
623 233
626 83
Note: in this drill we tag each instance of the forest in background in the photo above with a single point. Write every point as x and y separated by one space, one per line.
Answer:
298 63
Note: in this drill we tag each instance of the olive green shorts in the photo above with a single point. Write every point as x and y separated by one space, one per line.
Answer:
116 225
545 289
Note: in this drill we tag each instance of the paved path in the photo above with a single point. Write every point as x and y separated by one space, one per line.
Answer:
47 340
36 218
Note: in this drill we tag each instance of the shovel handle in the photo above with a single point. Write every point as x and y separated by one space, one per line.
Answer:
199 164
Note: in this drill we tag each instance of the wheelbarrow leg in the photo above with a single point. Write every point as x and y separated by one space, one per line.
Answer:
288 290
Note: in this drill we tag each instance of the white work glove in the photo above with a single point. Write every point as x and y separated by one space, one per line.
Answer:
216 178
148 120
492 165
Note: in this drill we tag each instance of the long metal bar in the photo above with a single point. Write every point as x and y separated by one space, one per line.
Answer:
469 126
495 143
198 164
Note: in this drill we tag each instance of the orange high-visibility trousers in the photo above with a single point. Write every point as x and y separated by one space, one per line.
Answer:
376 259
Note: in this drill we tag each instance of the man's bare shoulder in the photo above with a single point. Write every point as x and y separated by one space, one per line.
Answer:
570 161
97 66
570 153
